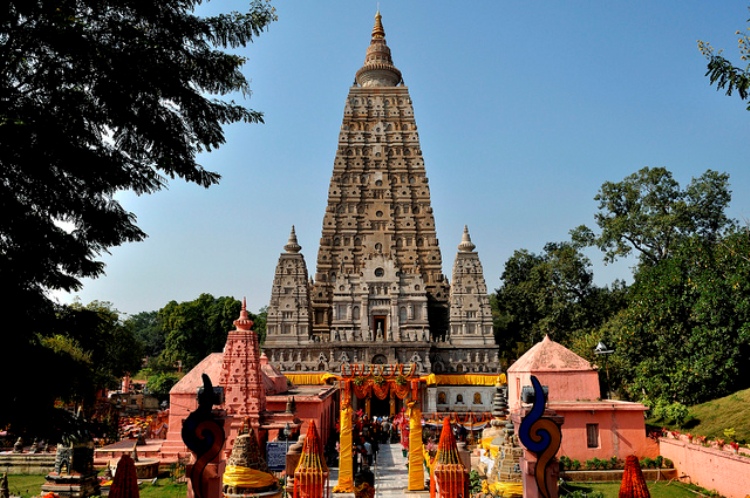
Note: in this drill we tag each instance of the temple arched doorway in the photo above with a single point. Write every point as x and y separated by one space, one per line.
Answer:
380 407
379 359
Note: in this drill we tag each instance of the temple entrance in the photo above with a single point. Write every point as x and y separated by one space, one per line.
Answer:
380 407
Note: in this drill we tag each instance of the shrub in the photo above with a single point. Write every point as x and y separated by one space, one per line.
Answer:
475 482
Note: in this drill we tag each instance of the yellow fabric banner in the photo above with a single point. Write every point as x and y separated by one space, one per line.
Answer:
310 379
464 379
509 489
244 477
416 457
346 465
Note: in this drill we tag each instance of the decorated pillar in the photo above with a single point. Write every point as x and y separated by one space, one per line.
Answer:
346 464
416 454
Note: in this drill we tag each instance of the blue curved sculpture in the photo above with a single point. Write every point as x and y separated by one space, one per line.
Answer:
540 436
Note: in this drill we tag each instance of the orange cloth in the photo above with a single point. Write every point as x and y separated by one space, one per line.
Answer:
346 467
416 457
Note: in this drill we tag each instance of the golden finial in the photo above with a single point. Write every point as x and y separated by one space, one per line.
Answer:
378 33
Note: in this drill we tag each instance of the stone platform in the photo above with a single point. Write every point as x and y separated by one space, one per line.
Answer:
149 455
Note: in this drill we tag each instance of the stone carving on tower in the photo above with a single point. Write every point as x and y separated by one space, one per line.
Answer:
378 294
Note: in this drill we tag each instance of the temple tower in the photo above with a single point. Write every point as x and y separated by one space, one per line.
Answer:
379 251
379 294
288 321
470 313
241 378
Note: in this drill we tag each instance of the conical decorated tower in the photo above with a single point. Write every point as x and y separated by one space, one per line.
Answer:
379 294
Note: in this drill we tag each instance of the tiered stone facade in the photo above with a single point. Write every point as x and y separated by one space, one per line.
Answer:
379 294
241 378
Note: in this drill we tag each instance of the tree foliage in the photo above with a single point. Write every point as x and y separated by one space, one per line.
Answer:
98 97
259 324
102 96
648 212
195 329
681 331
145 326
685 336
550 293
724 73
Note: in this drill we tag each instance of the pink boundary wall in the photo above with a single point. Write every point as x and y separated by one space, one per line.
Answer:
711 468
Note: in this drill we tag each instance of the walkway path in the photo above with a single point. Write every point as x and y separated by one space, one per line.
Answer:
391 474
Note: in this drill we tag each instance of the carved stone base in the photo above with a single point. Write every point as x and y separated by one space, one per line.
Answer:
71 485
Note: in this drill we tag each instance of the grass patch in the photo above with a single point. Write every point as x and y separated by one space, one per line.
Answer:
30 485
164 488
658 489
712 417
25 485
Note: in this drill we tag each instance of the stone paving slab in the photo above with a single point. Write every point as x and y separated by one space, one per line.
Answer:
391 475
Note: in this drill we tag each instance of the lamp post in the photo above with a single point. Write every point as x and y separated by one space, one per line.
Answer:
602 350
287 433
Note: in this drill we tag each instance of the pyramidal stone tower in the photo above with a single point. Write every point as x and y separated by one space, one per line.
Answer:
379 294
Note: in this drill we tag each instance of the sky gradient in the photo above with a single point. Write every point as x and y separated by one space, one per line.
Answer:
524 109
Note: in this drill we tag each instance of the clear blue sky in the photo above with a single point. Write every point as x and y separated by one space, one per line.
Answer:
524 109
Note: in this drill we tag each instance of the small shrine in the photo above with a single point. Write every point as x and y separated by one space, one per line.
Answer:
311 475
505 472
450 478
74 475
246 473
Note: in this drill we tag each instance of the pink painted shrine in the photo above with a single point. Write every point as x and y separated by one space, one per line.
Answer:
593 427
253 389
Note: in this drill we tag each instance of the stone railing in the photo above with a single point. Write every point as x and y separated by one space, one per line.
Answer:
27 463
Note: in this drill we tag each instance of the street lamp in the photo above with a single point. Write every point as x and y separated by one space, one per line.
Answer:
287 433
602 350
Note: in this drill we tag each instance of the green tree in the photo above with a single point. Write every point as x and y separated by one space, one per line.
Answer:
195 329
648 212
550 293
112 348
259 324
88 350
146 328
726 75
161 383
685 336
97 97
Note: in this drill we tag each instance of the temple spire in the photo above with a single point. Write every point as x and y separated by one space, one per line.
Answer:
378 33
378 69
292 246
244 322
466 245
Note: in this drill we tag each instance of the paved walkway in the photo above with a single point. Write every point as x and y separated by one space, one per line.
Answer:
391 474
